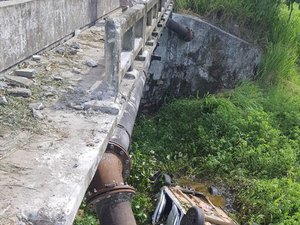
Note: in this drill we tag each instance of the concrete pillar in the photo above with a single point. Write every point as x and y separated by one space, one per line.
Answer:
120 46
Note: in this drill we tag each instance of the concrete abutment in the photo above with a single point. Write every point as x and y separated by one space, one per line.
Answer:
213 61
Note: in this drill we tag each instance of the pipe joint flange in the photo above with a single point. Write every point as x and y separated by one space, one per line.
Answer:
110 196
123 155
114 199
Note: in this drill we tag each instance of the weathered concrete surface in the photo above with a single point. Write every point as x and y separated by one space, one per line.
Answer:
28 26
44 177
120 34
45 171
212 61
127 35
44 174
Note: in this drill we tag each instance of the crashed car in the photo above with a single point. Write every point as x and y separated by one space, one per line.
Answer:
181 206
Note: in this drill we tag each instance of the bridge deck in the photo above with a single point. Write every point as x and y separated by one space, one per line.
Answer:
45 170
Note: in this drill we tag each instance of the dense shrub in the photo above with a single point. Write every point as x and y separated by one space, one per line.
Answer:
228 135
250 135
273 201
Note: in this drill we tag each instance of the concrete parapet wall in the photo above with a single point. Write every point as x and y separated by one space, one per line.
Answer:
127 34
28 26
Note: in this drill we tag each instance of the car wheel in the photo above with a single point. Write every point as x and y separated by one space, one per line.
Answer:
194 216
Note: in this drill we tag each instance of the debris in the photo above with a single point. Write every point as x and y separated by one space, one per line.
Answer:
50 66
76 107
60 50
3 100
91 63
57 77
19 92
28 73
77 32
3 85
160 82
75 45
188 206
37 114
76 70
213 191
49 94
70 88
36 105
22 81
47 88
72 51
102 106
96 86
129 76
36 57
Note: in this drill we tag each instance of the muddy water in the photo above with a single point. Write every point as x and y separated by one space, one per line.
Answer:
217 200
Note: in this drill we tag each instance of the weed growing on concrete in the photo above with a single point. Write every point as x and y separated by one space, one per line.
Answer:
16 115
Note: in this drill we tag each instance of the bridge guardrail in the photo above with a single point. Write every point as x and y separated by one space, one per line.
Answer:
127 34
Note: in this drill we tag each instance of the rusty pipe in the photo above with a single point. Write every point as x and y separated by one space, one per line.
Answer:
112 165
184 33
117 210
108 194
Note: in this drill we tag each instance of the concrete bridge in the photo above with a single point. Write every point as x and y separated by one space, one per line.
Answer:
71 82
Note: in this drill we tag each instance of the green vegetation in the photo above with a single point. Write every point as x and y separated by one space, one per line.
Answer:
85 217
17 115
231 135
247 138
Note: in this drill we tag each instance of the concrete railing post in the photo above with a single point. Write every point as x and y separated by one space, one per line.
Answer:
127 35
151 7
124 41
113 51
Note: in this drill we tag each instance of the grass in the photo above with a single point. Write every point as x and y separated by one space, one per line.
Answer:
231 137
249 138
17 115
247 14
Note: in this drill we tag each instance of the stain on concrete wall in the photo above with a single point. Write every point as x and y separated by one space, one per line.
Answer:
27 26
212 61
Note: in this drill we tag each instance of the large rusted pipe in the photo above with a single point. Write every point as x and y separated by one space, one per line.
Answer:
108 192
112 165
184 33
116 211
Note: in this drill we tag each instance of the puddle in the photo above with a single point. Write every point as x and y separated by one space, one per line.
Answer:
217 200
